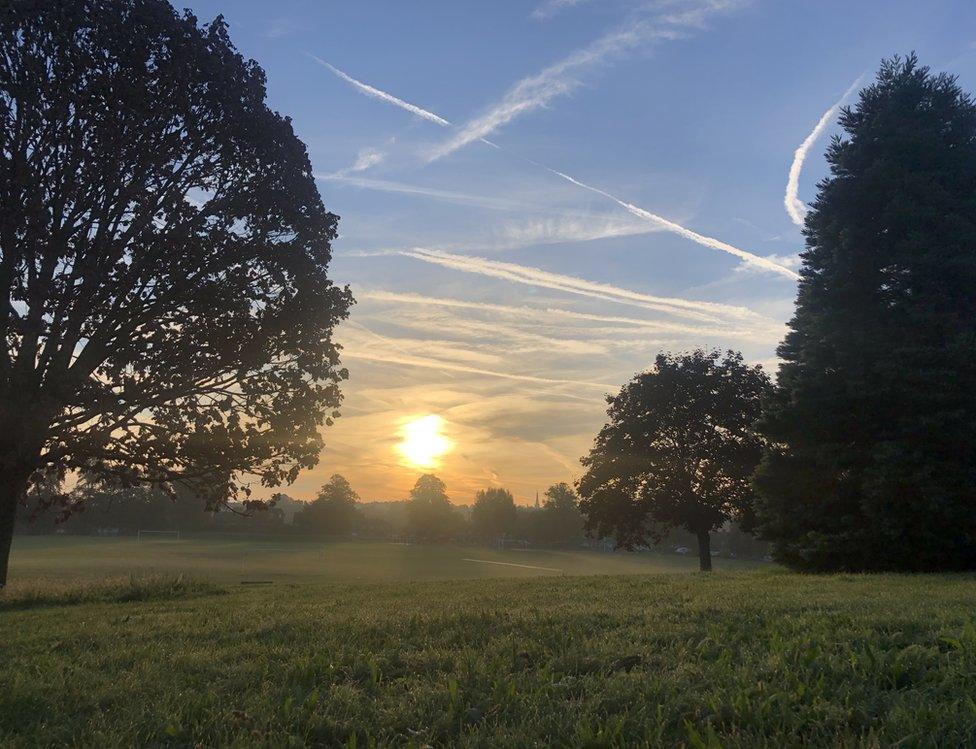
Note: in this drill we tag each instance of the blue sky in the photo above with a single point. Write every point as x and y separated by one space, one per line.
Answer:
503 298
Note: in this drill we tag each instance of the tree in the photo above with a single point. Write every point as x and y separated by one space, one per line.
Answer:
678 451
872 461
561 521
333 511
163 253
493 514
430 514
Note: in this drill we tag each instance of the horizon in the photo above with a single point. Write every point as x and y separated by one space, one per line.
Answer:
524 232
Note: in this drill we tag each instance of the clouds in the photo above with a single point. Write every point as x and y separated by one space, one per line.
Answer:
550 8
757 261
697 310
561 78
795 207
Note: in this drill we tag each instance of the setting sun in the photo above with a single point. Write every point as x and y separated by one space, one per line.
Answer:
423 441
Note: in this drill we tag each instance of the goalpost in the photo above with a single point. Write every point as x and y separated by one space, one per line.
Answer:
158 535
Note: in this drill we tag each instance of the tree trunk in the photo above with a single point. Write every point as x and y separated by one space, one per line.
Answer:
12 489
704 551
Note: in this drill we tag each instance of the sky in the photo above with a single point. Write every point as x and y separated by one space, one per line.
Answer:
537 197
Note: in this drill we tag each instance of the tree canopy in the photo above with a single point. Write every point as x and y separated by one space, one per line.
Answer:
494 514
872 460
678 450
333 511
166 307
430 514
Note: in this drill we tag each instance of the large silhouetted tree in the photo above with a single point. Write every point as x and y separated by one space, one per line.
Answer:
163 251
678 451
872 461
493 514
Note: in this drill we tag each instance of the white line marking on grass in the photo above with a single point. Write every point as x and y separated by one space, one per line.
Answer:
512 564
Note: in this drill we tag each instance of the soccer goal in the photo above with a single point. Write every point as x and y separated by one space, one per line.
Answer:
158 535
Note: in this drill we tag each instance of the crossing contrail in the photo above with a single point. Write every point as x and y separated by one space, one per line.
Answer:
756 261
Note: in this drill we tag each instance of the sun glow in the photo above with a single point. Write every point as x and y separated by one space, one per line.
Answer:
423 443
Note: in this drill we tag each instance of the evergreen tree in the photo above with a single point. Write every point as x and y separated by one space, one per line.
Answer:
872 464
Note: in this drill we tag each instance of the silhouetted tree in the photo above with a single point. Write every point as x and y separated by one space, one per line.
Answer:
430 514
561 521
872 461
678 450
493 514
163 251
333 511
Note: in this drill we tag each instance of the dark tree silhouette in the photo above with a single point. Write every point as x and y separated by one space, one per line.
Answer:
493 514
163 251
333 511
561 521
872 462
430 514
678 451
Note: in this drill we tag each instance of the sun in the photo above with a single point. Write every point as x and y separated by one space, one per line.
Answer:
423 443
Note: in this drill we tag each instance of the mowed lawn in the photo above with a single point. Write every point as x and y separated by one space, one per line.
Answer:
60 558
738 658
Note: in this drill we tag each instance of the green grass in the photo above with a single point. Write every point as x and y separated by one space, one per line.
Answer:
229 560
739 658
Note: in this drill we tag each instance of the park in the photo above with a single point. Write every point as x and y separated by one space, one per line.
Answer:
518 374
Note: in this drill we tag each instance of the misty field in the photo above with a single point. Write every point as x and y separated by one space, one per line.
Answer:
55 560
741 658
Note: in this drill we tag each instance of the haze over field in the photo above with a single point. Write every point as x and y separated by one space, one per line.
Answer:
536 198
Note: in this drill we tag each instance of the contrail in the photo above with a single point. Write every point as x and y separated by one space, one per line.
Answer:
707 311
382 95
666 224
715 244
795 207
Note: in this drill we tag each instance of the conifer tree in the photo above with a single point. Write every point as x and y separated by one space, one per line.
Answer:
872 463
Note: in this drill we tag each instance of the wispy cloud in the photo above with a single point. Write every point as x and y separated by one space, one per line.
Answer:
758 261
795 207
552 7
450 196
559 79
381 95
698 310
413 361
764 331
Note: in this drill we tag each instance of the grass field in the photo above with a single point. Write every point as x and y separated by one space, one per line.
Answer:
754 657
230 560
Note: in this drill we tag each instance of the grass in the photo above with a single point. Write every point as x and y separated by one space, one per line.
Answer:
737 658
60 558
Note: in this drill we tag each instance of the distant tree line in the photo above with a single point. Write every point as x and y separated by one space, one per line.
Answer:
426 515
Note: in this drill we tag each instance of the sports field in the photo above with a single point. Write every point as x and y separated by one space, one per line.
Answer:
105 644
61 558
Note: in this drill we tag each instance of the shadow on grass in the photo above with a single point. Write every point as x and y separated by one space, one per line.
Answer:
28 595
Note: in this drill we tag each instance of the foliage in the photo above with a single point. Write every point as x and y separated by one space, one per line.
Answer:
559 522
167 314
430 514
678 450
493 514
734 659
873 427
333 511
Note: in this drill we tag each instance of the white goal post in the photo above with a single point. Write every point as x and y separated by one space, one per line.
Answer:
158 535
